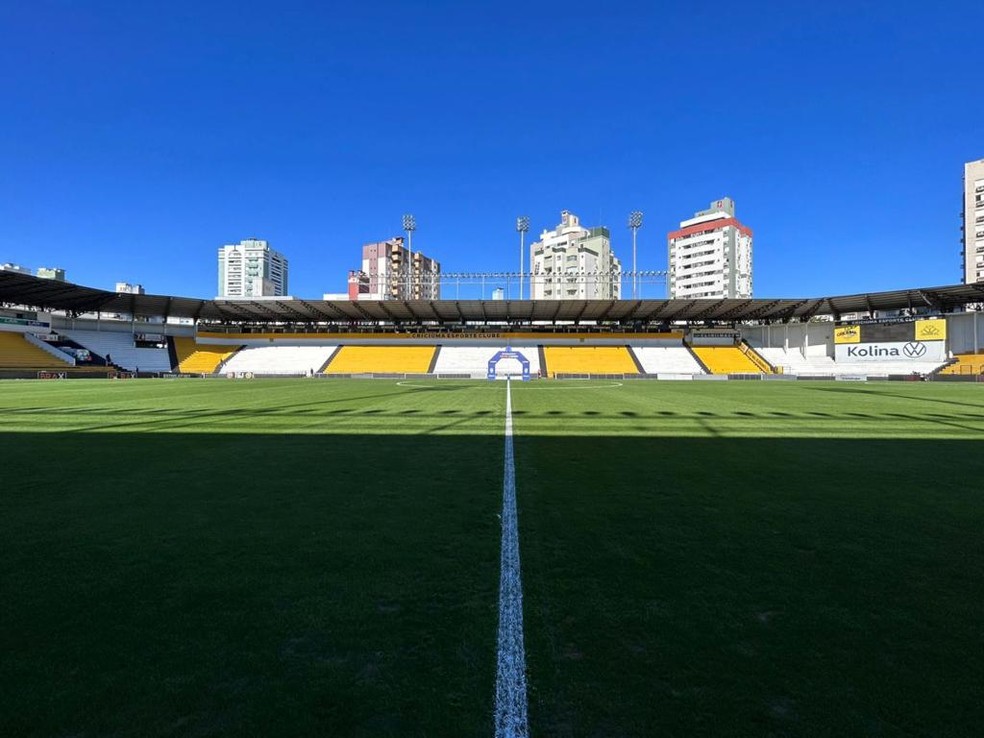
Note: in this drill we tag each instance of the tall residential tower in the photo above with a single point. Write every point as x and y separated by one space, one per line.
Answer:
973 222
389 273
572 262
711 255
251 268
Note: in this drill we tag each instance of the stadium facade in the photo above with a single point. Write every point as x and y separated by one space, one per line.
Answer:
63 329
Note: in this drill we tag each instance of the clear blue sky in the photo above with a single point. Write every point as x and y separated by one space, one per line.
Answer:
136 138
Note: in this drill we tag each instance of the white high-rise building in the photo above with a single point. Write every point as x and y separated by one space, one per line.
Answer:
388 274
572 262
973 222
251 268
51 273
711 255
16 268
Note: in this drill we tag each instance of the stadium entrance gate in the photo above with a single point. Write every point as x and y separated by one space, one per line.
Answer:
510 354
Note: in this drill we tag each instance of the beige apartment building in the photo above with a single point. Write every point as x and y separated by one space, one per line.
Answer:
573 262
973 222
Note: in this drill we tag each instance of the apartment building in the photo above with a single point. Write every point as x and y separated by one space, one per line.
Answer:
973 222
710 255
389 272
251 268
573 262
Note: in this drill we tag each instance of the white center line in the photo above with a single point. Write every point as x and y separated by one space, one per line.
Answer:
510 681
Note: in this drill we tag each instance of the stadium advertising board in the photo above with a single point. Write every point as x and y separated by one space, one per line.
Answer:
931 330
847 334
933 352
713 337
24 321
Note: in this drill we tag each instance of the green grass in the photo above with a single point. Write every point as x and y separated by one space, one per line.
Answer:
321 557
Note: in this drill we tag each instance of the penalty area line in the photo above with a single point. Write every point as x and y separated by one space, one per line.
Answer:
510 678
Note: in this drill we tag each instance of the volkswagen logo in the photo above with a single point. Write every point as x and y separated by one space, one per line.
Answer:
914 349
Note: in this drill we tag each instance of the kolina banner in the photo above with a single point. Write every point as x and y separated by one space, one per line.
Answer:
933 352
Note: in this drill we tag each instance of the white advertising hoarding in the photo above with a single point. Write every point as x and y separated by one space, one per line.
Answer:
933 352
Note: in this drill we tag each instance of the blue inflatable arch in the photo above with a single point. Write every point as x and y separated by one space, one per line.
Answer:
510 354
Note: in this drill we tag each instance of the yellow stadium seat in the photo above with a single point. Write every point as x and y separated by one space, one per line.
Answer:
966 364
588 360
200 358
382 360
729 360
17 353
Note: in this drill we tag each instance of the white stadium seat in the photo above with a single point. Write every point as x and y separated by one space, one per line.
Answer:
474 360
122 350
285 360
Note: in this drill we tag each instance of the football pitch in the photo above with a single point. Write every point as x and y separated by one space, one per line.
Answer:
321 557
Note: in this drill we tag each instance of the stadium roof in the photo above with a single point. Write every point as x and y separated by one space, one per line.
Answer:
47 294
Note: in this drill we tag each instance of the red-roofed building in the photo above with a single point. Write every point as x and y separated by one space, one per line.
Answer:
710 255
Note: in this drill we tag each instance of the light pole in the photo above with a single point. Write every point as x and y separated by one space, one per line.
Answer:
635 223
409 225
522 227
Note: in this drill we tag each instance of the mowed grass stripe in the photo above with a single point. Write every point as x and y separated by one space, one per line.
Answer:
244 578
510 687
302 556
251 406
702 583
752 409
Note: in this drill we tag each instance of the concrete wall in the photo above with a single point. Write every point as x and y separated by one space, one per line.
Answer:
810 339
965 335
120 326
965 332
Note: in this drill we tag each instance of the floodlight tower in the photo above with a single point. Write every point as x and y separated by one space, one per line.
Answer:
635 223
522 227
409 225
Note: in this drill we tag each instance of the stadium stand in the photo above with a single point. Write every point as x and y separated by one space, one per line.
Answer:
283 360
382 360
588 360
965 364
200 358
17 353
122 349
474 360
791 361
728 360
667 360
